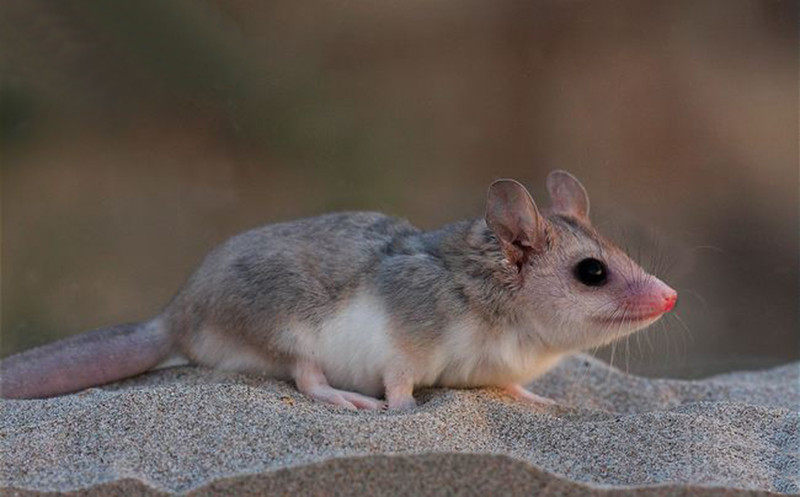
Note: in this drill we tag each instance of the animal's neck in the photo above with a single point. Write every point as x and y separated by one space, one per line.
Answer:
487 281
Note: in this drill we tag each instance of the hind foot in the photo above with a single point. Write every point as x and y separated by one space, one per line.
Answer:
311 381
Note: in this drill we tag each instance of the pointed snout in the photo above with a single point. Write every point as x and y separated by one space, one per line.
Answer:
644 302
670 299
651 299
661 296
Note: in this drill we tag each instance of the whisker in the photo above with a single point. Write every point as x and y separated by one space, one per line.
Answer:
696 295
713 248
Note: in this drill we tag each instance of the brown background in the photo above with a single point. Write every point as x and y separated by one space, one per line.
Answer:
137 135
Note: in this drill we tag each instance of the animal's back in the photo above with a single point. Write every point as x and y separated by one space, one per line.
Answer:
262 286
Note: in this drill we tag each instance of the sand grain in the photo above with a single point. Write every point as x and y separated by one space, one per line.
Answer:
200 431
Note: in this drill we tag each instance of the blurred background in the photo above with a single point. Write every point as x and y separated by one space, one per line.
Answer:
136 136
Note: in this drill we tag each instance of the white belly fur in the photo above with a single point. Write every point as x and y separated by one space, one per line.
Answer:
472 357
353 347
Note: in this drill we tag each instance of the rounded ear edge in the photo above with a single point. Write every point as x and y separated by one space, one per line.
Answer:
512 215
502 187
567 194
509 182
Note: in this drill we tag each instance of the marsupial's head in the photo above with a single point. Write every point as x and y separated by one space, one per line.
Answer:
575 287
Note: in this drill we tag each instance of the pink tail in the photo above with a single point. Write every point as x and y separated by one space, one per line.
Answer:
83 361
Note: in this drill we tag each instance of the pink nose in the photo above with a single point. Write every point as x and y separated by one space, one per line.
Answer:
660 297
670 299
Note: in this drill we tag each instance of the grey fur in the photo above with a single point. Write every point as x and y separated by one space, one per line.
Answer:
259 282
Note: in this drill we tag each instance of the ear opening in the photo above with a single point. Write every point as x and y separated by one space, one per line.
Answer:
512 216
567 195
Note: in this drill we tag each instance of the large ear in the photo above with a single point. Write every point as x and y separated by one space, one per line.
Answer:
513 217
568 195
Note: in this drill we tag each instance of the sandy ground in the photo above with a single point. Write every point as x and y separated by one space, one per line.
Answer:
190 430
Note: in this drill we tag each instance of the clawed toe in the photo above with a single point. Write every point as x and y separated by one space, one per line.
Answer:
338 400
362 401
343 398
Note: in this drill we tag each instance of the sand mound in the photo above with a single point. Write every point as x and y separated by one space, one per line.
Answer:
200 431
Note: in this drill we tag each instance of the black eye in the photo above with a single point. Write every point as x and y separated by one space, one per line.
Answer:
591 272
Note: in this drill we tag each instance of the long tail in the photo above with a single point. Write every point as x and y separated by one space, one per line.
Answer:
85 360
